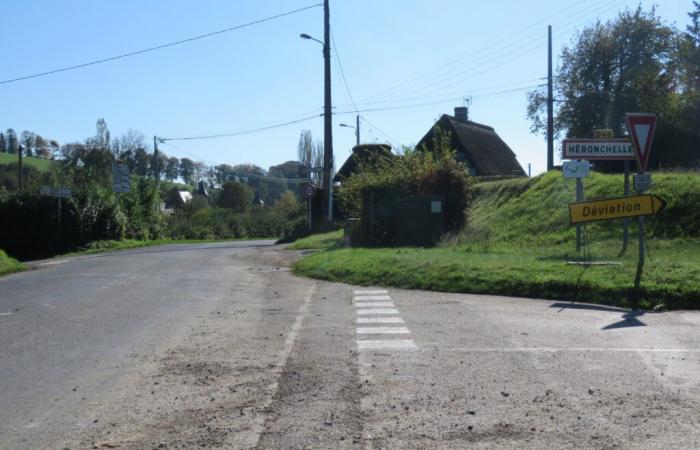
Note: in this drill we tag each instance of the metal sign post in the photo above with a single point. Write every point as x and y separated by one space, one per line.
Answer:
641 127
577 169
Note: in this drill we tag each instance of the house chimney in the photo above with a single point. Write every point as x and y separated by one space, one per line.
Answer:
462 113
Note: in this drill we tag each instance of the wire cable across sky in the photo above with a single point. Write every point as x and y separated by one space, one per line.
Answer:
160 47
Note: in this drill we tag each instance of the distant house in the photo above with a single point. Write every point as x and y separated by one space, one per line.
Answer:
363 156
477 145
176 198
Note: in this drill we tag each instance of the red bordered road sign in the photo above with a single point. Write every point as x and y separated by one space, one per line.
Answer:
641 127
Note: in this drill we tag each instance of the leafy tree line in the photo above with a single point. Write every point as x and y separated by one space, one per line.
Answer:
236 205
634 63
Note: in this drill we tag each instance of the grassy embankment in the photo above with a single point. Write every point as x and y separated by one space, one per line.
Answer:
9 264
518 242
43 165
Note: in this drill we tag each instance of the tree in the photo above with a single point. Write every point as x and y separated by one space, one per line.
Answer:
28 139
187 170
236 196
624 65
172 168
141 162
3 144
12 142
127 143
310 154
287 205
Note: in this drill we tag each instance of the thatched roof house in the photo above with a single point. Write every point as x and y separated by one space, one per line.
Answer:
363 156
477 145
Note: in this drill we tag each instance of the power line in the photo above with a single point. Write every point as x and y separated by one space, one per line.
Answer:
417 105
242 132
391 139
469 55
491 57
342 72
159 47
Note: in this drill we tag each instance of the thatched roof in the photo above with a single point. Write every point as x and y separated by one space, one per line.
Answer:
364 155
477 145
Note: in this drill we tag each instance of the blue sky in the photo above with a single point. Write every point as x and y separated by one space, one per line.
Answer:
405 62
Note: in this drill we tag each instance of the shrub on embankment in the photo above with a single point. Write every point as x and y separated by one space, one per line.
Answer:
518 242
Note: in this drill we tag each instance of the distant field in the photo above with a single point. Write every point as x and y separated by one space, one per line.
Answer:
44 165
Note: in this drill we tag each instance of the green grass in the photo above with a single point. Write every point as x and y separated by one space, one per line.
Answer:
43 165
322 241
112 245
518 242
9 264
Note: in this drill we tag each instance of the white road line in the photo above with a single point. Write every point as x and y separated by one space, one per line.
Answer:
6 314
370 292
361 298
374 305
570 349
382 330
367 312
53 263
395 344
379 320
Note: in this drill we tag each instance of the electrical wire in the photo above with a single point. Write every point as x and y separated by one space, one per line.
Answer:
160 47
392 141
242 132
342 72
505 51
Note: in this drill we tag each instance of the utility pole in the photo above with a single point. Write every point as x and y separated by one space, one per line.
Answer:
156 161
357 129
550 103
19 156
327 119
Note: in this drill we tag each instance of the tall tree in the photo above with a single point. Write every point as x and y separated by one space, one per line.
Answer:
142 162
623 65
187 170
310 154
172 168
236 196
12 142
3 144
27 139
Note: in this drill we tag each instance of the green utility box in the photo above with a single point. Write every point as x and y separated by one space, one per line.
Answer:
419 220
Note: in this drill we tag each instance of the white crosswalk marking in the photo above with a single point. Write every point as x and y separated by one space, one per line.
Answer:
362 298
379 320
379 316
367 312
371 292
388 344
382 330
374 305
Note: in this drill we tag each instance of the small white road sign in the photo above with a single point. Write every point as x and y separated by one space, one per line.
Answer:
576 169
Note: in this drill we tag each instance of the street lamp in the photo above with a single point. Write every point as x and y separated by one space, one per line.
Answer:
327 119
356 128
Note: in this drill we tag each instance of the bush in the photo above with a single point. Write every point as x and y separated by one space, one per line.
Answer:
415 173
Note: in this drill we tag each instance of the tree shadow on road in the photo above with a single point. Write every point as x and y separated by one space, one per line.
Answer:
629 318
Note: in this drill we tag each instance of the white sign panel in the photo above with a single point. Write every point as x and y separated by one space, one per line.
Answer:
576 169
120 178
60 192
594 149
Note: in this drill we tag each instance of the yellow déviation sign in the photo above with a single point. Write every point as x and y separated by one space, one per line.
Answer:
615 208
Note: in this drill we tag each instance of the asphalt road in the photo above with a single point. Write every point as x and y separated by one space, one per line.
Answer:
219 346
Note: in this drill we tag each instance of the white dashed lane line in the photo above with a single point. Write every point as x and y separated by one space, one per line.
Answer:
379 317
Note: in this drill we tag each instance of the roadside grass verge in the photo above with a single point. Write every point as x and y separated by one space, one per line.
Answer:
671 278
321 241
125 244
9 264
